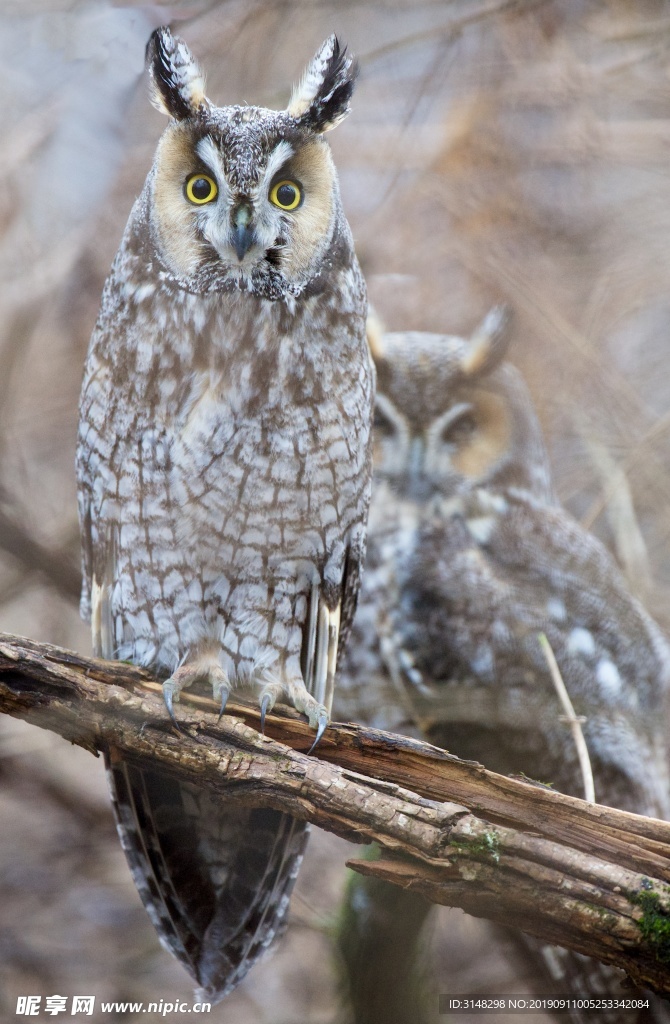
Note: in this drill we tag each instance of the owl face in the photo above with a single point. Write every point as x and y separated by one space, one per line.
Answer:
244 197
449 418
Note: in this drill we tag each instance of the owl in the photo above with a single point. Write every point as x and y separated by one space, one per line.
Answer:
471 559
224 465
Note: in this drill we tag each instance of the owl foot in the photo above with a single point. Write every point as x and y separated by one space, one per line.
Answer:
187 674
317 713
171 690
321 725
301 700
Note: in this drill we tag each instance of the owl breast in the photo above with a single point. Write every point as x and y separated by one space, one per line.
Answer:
237 485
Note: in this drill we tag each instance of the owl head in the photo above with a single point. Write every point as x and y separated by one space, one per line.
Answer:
245 197
450 415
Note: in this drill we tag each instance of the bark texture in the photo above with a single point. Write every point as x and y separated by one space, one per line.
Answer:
591 878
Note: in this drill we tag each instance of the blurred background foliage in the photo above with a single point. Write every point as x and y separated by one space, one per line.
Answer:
511 150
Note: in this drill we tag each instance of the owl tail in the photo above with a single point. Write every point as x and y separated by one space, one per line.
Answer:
215 879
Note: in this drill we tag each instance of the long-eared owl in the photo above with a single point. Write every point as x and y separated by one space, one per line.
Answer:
470 560
224 471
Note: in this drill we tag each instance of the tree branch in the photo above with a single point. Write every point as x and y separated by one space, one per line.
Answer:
588 877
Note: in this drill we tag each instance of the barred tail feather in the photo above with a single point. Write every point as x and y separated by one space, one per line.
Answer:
214 879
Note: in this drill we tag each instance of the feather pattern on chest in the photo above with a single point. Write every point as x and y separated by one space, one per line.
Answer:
225 438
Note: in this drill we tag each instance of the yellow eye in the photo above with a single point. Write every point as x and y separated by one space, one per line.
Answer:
286 195
201 189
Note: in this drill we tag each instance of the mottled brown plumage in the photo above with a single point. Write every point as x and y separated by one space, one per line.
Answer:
224 471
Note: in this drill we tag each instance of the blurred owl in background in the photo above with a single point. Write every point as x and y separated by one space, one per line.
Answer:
470 560
224 471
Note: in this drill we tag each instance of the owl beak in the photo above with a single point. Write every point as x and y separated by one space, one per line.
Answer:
244 235
419 478
417 456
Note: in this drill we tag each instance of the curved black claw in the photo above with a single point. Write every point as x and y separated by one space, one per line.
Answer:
322 725
265 704
224 701
167 697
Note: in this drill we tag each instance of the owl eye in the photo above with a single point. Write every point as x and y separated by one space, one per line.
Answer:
460 430
381 423
286 195
201 189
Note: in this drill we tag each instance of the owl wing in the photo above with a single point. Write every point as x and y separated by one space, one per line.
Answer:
351 582
98 536
477 598
365 692
85 532
328 623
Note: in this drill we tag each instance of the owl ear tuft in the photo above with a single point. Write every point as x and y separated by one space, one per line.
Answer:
488 344
177 83
321 100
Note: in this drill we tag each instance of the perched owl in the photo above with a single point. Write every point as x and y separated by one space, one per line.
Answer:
224 470
470 560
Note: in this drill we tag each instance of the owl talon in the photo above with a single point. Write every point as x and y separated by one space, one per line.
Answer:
170 694
322 725
175 723
223 692
224 701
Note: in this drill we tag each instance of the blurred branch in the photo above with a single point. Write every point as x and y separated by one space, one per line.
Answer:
588 877
452 29
616 500
57 567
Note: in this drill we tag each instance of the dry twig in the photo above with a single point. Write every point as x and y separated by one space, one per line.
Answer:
571 719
